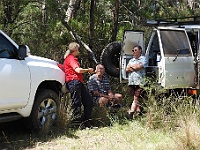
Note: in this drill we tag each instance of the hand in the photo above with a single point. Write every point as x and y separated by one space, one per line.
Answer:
90 70
130 68
111 96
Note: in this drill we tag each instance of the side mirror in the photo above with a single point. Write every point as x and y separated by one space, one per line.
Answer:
23 52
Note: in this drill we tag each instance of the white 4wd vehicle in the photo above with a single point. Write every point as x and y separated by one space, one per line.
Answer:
173 54
30 86
169 55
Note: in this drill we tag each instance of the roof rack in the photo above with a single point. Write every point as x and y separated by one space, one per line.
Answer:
193 20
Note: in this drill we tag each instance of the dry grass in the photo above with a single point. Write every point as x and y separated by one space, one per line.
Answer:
171 123
119 137
132 135
188 134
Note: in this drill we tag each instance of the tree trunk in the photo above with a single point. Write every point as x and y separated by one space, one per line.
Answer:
92 35
69 11
194 4
116 16
7 13
44 12
92 8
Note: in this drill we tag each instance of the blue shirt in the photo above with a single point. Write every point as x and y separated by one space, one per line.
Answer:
137 77
95 84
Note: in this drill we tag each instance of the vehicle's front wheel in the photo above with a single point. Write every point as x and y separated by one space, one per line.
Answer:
45 110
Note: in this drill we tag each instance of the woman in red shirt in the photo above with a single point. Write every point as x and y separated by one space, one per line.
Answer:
74 80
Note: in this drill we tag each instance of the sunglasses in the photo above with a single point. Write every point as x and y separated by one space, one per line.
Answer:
134 50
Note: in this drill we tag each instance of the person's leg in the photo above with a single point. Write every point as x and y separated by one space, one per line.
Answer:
102 101
87 102
132 93
137 100
74 88
118 98
139 109
136 106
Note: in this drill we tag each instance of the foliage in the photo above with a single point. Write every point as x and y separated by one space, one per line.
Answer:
37 23
173 119
178 130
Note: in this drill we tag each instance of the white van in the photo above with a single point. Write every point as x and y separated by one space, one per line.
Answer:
169 55
172 53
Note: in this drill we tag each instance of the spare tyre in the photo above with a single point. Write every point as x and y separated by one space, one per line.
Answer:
110 58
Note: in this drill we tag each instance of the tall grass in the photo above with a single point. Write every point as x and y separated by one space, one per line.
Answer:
174 114
171 121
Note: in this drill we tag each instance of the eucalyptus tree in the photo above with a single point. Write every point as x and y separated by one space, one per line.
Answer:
90 20
97 22
10 12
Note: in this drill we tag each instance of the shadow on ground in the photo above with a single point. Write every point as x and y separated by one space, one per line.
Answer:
14 136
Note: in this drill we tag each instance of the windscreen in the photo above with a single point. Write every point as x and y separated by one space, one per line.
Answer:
175 43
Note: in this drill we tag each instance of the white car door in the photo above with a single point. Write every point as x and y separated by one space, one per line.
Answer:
176 67
130 39
14 77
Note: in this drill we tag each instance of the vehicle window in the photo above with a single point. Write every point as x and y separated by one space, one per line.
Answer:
175 43
193 37
7 49
154 51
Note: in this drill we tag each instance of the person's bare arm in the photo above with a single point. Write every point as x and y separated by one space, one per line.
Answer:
96 93
134 67
82 70
129 68
137 66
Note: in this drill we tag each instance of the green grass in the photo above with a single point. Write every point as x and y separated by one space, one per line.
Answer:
170 123
132 135
118 137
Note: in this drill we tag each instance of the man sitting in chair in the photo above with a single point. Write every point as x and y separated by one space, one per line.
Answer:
99 86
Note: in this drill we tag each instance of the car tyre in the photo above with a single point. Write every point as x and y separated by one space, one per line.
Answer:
110 58
45 110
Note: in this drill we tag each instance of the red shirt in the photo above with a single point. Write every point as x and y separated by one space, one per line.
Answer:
70 64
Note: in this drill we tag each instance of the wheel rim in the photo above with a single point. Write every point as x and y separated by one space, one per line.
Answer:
47 112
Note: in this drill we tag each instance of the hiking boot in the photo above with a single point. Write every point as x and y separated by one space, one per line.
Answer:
131 114
87 125
139 113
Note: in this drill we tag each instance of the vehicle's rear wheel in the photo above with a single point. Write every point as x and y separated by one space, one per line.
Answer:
110 58
45 110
